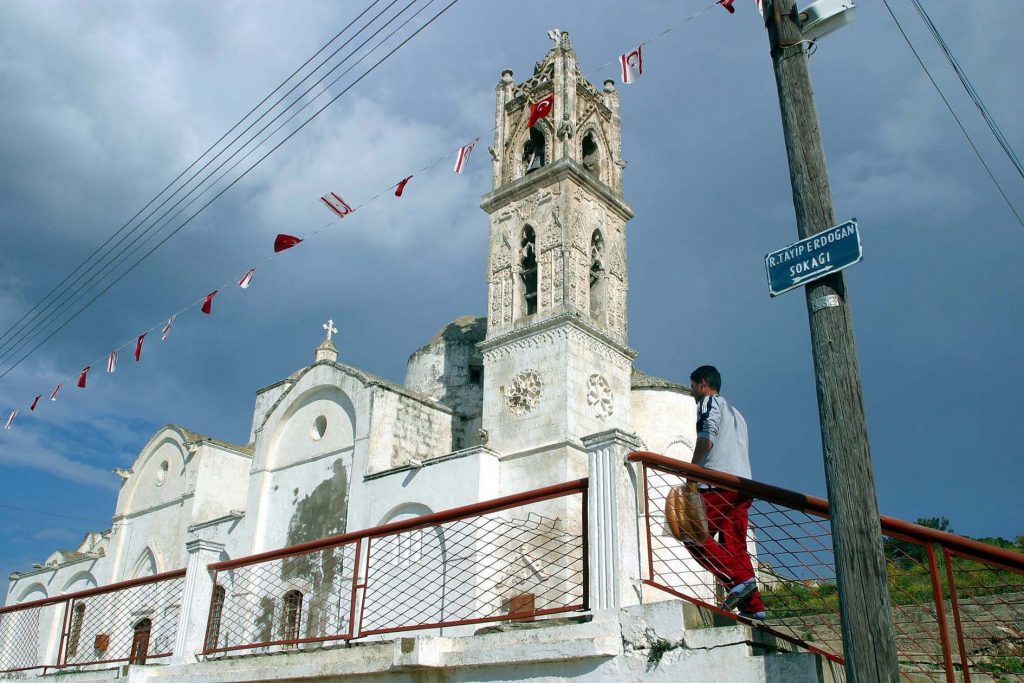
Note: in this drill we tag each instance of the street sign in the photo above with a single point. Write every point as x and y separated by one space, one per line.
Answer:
817 256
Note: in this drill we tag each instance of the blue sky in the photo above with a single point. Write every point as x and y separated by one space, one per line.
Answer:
105 102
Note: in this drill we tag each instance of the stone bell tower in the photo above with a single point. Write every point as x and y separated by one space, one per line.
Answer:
557 363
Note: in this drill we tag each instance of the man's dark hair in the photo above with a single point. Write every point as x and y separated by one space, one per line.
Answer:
708 373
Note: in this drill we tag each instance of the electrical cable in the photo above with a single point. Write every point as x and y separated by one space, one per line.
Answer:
955 117
25 337
969 87
236 180
179 176
49 514
118 259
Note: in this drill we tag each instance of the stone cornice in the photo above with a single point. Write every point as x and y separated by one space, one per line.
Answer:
549 175
454 455
573 320
232 516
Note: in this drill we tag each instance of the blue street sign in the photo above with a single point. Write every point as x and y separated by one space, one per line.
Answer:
817 256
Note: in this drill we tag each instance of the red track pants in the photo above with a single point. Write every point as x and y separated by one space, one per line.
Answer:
727 556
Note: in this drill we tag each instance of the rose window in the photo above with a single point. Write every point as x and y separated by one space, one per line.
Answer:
523 394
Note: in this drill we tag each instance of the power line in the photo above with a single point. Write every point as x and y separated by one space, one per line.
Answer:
951 111
22 340
233 182
119 258
49 514
14 327
969 87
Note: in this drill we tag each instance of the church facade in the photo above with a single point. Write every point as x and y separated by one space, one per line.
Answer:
490 406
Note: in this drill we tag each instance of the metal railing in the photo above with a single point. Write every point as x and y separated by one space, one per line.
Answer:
957 604
131 621
517 557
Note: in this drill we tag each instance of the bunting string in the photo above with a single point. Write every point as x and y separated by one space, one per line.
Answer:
631 68
123 256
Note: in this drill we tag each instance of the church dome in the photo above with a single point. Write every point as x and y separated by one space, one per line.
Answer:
449 359
449 369
468 329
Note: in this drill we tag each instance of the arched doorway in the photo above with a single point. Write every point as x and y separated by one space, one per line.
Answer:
140 641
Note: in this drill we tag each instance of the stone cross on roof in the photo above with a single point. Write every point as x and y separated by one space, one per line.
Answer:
331 329
326 350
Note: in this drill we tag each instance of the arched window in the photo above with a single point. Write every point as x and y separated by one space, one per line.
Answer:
140 641
591 155
534 150
598 277
292 618
216 610
77 619
528 270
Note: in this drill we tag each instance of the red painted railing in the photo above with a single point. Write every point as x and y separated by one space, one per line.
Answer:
513 558
130 621
958 604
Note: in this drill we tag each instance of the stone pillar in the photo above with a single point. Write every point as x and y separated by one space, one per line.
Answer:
195 600
614 552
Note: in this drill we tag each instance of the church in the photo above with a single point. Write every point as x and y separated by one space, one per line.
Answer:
539 393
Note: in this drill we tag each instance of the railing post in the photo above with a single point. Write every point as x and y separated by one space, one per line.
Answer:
195 600
614 551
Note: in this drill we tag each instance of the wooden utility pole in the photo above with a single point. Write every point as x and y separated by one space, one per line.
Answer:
869 644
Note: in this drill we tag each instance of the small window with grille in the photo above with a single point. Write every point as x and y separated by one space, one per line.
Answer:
292 615
216 610
76 630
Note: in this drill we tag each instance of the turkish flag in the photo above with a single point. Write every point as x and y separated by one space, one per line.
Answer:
208 302
81 377
283 242
35 402
727 4
401 186
539 110
138 346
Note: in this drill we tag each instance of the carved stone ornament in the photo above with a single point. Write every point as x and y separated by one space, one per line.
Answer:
523 394
599 397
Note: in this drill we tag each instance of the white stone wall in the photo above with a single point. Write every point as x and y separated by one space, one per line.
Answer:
554 383
666 421
265 400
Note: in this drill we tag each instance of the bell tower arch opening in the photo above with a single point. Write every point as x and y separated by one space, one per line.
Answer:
534 150
590 155
598 278
528 271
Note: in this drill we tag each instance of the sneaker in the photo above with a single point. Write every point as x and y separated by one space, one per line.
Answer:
738 594
753 616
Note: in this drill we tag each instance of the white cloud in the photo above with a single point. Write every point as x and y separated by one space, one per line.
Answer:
23 448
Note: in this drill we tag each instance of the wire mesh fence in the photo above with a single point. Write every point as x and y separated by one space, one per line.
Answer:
511 564
20 639
513 558
298 598
954 613
133 624
133 621
986 601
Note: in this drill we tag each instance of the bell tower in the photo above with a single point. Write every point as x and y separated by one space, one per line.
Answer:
557 363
